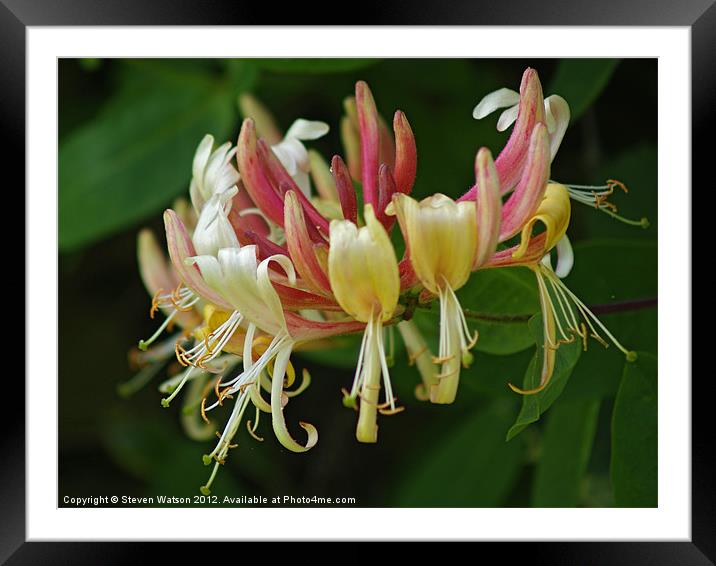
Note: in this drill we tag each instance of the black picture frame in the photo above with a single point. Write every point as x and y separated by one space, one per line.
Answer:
699 15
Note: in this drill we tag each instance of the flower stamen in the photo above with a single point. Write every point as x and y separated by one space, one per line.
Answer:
566 317
211 345
597 196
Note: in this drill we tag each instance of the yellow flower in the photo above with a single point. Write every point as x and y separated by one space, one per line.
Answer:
364 278
554 212
442 240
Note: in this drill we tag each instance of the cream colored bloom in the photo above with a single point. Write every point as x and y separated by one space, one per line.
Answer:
238 276
441 236
212 171
363 273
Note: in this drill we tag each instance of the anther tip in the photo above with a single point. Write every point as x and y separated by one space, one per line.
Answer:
632 356
165 403
205 490
645 222
207 460
143 345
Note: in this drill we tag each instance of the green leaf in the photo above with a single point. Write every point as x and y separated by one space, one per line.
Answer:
614 270
472 467
634 466
313 65
599 371
135 156
533 406
580 81
566 447
506 291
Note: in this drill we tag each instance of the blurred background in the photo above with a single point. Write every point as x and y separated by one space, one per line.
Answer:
127 132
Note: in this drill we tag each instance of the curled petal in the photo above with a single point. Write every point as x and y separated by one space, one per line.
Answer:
277 417
406 154
565 257
532 255
557 114
507 118
266 289
554 212
501 98
346 192
245 284
488 206
523 202
369 142
258 400
265 247
307 129
305 384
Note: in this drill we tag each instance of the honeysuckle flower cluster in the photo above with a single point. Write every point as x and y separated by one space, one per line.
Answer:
277 253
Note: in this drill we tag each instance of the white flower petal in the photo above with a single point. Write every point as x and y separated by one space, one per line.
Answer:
507 118
213 230
248 288
565 257
266 289
212 172
293 156
286 157
501 98
556 111
307 130
201 156
210 270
